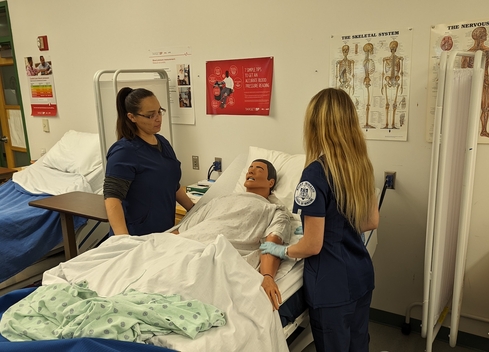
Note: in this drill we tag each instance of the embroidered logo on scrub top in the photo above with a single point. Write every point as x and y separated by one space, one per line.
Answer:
305 194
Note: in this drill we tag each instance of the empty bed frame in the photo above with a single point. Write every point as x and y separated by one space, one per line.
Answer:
31 237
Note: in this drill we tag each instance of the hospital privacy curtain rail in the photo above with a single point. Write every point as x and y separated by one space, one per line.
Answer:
106 89
453 159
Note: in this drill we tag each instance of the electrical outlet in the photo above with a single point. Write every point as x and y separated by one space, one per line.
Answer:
45 125
218 160
195 162
390 178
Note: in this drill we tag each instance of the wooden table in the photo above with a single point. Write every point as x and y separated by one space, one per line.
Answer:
86 205
6 173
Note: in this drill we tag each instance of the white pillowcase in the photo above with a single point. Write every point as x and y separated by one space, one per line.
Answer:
289 170
76 152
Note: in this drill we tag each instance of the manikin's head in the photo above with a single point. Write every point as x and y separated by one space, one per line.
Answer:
261 178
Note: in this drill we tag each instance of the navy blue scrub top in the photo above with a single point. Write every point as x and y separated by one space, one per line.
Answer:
343 271
150 202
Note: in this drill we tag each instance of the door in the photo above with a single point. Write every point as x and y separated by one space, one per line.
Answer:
13 141
12 133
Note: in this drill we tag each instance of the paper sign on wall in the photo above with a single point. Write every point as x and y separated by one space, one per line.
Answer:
177 62
41 83
374 68
239 87
461 36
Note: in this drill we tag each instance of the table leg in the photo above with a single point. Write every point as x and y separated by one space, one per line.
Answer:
69 239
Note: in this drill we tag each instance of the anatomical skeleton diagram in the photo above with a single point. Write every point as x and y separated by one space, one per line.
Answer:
480 36
373 67
392 74
345 72
369 68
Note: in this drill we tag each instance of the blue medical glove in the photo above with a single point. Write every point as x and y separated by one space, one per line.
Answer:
273 249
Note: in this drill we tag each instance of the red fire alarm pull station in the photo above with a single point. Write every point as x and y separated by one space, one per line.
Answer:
42 42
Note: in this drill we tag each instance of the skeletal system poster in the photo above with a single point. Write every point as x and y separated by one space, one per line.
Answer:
374 68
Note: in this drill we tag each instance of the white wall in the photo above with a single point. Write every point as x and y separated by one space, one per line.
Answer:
86 36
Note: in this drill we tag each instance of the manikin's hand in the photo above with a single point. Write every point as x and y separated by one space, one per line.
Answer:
273 249
272 291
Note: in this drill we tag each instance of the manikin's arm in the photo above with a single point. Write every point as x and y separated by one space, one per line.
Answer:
268 268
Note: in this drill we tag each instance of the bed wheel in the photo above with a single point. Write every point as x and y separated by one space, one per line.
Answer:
406 328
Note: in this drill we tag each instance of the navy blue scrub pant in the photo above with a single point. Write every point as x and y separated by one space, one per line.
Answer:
343 328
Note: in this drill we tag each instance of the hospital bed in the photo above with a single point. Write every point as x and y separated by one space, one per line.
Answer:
32 237
289 278
214 274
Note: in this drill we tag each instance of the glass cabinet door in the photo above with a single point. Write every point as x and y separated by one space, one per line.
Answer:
10 84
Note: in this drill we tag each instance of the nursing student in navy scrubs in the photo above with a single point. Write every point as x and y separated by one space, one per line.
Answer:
142 178
336 201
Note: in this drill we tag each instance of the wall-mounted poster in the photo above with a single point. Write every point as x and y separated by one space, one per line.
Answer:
39 72
374 68
177 62
239 87
461 36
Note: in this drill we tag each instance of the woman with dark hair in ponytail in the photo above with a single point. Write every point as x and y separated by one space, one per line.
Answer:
142 179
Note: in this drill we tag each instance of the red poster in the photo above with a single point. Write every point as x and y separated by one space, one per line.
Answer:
239 87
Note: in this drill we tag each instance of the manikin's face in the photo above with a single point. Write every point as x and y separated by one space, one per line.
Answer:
257 175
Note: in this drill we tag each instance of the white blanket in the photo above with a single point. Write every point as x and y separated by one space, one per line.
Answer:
169 264
38 179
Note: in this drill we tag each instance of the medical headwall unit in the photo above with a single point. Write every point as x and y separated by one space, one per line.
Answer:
454 150
108 83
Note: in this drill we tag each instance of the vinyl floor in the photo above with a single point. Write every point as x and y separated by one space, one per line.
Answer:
385 338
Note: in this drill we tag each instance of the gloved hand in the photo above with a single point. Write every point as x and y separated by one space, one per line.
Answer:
273 249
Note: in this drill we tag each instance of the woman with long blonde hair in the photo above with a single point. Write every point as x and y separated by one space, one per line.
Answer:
336 201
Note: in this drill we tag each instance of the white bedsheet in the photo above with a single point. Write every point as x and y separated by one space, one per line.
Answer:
168 264
38 179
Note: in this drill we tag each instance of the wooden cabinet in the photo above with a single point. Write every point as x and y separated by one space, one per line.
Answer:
6 174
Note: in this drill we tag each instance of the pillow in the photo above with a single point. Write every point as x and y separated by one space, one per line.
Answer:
76 152
289 170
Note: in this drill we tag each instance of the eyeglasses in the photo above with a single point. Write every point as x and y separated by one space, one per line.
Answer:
161 112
